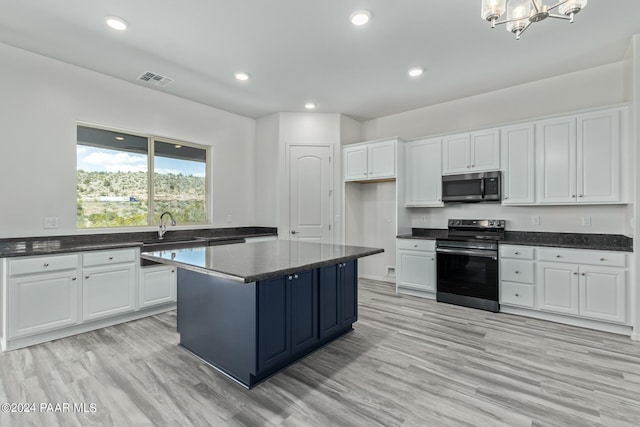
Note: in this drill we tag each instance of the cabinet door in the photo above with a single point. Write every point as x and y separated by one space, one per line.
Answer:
556 161
41 303
455 154
157 286
382 160
349 293
304 310
107 291
603 293
558 287
355 163
598 161
485 150
423 162
329 301
274 342
518 175
416 270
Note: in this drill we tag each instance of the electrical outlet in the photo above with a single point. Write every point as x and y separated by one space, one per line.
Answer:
391 271
535 219
424 218
586 221
51 222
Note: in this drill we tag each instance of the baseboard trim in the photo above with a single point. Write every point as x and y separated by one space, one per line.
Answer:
378 278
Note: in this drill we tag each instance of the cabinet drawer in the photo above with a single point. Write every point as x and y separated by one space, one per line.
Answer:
517 294
43 264
108 257
416 245
519 252
609 259
515 270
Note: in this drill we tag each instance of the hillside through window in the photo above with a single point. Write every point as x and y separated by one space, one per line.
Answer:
116 189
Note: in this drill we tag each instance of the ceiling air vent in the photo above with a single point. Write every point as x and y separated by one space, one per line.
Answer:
155 79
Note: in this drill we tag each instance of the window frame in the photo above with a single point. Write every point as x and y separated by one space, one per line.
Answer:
151 140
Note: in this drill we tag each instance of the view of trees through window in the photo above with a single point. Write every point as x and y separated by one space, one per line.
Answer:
115 188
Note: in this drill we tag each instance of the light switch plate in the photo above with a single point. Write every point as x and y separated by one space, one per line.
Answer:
586 221
51 222
535 220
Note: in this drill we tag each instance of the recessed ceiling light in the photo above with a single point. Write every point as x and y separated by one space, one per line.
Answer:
310 105
416 71
116 23
120 138
241 75
360 17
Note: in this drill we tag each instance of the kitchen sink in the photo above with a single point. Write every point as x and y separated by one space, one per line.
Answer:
166 244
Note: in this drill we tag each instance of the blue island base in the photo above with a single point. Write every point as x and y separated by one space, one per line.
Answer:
251 331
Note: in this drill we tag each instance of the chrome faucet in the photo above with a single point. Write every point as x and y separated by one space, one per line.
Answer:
163 228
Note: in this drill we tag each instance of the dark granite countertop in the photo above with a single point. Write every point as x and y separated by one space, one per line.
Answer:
15 247
251 262
603 242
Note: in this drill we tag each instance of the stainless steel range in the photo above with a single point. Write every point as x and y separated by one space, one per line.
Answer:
467 263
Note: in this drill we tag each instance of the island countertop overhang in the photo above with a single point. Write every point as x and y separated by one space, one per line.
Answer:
252 262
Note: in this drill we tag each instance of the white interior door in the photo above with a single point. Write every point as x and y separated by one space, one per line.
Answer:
310 193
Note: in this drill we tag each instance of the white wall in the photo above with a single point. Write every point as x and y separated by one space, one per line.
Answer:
632 91
556 95
604 219
267 161
42 99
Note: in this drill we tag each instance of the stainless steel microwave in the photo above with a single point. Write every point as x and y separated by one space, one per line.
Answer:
472 187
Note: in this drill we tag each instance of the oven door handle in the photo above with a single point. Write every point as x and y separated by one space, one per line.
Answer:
481 254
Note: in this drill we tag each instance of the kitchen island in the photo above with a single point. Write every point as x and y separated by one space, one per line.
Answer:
251 309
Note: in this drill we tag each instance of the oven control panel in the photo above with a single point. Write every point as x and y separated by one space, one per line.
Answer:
477 223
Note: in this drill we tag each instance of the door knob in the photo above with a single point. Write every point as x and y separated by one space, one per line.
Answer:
294 232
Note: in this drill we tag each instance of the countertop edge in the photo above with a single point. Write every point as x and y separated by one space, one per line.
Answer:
264 276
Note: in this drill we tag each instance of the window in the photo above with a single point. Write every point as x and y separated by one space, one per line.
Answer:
116 189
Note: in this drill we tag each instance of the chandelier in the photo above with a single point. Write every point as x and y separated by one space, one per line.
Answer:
522 13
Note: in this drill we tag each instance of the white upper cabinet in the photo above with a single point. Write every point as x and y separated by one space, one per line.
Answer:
423 172
578 159
598 157
355 163
556 166
518 174
369 161
471 152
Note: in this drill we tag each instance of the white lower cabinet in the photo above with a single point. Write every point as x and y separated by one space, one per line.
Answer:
107 291
586 284
42 302
157 285
415 266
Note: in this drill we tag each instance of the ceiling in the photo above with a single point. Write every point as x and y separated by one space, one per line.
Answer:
307 50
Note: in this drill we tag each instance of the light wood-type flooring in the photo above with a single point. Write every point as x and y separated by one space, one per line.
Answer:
409 362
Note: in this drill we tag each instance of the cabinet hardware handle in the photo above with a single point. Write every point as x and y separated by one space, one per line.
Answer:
581 195
558 256
506 198
517 272
415 246
294 232
290 278
602 259
86 277
432 259
295 276
110 258
74 278
583 274
473 166
46 264
573 196
517 253
575 274
517 295
173 271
